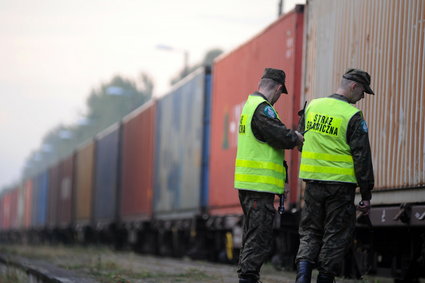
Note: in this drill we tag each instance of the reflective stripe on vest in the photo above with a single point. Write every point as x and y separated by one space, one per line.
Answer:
326 156
258 166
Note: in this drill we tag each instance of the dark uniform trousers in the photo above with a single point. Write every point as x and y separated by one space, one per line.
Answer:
259 213
327 225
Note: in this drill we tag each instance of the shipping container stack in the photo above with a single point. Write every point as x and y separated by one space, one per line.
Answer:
106 184
83 198
136 178
40 207
27 195
65 200
181 160
52 214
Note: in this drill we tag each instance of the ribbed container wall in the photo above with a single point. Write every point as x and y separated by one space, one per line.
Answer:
385 38
137 153
12 210
84 159
40 199
34 205
106 176
28 195
52 212
180 120
65 194
235 76
20 207
7 209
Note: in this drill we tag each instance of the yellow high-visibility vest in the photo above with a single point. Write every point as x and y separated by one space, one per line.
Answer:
326 155
259 166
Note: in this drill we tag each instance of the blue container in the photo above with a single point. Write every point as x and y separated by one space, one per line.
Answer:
106 175
40 199
181 149
206 140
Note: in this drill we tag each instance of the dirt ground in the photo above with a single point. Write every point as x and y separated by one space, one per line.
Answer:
109 266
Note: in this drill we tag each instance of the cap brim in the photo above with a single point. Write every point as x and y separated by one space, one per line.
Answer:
284 90
368 90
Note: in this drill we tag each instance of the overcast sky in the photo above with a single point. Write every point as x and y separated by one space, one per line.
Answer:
53 52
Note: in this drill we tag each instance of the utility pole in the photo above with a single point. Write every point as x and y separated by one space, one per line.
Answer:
280 7
185 56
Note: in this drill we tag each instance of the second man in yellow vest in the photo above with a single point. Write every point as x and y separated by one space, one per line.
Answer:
336 158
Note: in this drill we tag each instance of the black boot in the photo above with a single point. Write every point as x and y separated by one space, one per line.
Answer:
248 280
304 269
325 278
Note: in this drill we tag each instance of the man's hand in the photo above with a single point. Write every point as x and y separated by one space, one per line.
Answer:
364 207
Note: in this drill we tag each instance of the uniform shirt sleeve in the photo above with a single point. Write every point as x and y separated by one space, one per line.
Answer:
358 139
266 127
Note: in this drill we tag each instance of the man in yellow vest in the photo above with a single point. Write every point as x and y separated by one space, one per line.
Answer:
259 170
335 159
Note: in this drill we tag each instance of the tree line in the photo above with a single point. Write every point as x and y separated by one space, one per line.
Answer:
106 105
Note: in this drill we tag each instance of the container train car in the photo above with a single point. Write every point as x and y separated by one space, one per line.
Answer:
37 229
83 191
106 181
386 38
136 189
161 180
181 161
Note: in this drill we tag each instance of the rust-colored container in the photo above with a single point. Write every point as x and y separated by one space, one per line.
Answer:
385 38
84 161
9 209
65 193
52 211
137 164
236 75
27 201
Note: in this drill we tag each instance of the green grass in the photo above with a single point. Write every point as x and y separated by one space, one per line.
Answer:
110 272
100 264
11 276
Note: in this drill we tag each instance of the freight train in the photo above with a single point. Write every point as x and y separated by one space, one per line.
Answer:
161 180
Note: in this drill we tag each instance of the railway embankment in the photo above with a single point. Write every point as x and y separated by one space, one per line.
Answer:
89 264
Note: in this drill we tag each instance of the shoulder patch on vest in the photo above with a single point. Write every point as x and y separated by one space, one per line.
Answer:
269 112
363 126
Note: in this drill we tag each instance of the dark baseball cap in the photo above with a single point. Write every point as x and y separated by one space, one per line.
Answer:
276 75
360 77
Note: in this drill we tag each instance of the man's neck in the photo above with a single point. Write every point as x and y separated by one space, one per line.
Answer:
339 96
263 95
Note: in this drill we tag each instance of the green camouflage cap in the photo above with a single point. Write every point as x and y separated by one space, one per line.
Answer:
360 77
276 75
